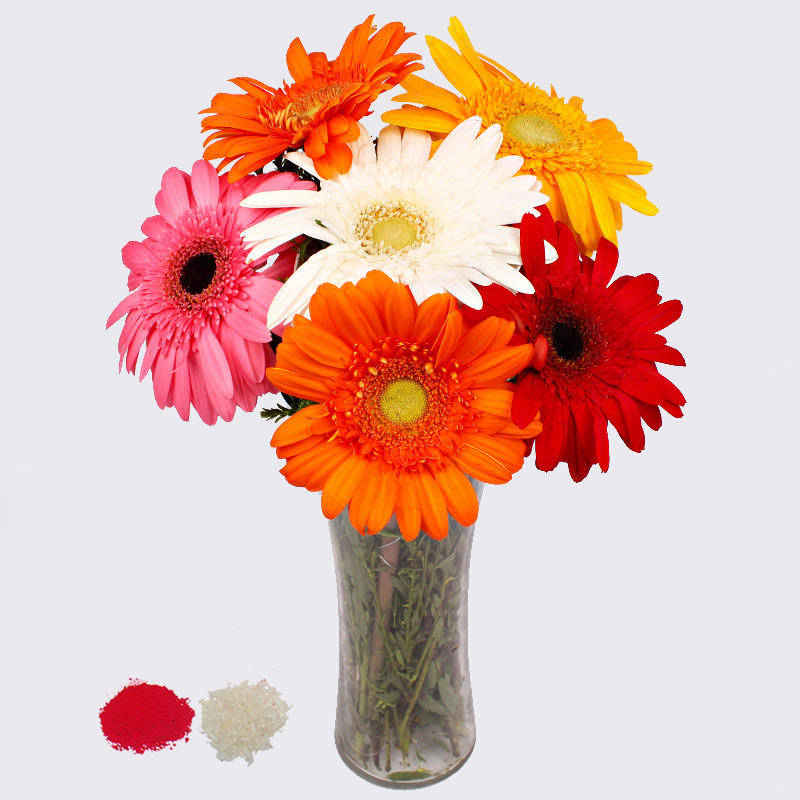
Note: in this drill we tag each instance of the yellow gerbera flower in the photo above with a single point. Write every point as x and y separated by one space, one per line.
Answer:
583 165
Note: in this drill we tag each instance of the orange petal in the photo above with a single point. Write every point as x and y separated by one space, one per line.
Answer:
322 470
399 310
462 502
297 448
291 357
408 506
508 452
322 345
480 466
489 333
341 157
493 401
449 338
313 466
499 364
298 385
433 506
342 484
298 426
298 61
384 502
431 317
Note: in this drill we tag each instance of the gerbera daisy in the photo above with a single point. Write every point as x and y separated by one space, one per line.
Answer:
408 400
583 165
320 110
196 302
597 344
438 224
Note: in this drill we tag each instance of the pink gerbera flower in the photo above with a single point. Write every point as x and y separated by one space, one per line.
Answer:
201 309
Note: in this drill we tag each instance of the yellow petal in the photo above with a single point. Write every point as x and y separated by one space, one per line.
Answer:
601 205
628 192
454 67
424 119
576 198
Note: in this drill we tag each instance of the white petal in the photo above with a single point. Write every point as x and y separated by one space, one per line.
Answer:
297 291
283 198
275 226
416 146
300 159
464 292
389 144
501 273
267 245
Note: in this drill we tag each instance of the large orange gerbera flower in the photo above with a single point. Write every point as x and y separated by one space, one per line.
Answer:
583 165
319 110
408 400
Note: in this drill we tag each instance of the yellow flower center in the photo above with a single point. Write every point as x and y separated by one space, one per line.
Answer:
531 129
403 401
391 228
394 232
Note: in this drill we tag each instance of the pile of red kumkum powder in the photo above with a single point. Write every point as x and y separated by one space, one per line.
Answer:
145 717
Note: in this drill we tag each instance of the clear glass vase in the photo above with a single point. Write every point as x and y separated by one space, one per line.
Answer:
404 716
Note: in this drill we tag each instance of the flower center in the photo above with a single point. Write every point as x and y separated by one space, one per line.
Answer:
533 130
403 401
390 228
567 341
396 405
198 272
395 232
304 108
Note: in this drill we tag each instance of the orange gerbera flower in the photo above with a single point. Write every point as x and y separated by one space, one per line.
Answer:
409 399
320 110
583 165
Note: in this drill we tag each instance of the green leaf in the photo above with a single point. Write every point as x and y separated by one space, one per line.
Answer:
447 694
294 404
418 775
430 703
400 585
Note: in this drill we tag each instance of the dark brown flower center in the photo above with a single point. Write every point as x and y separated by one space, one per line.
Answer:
567 341
198 272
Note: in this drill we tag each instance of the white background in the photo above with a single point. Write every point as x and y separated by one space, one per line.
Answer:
634 637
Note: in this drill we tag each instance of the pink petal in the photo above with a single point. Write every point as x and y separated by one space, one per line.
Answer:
205 184
247 326
162 376
182 391
153 346
236 352
257 354
135 346
128 304
200 398
173 199
156 228
215 367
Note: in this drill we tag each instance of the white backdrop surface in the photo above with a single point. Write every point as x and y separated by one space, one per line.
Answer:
634 637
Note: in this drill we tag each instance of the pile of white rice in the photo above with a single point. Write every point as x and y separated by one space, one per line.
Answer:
241 720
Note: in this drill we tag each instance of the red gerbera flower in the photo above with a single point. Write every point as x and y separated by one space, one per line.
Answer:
596 348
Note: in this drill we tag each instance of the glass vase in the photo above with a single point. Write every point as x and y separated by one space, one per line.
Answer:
404 715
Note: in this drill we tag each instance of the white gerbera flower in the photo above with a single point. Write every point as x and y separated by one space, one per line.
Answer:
434 223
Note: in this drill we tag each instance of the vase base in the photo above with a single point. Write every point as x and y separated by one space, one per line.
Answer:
402 779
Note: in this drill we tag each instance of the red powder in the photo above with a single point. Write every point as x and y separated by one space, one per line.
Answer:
145 717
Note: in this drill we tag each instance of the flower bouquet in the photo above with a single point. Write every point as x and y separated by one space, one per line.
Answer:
434 304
